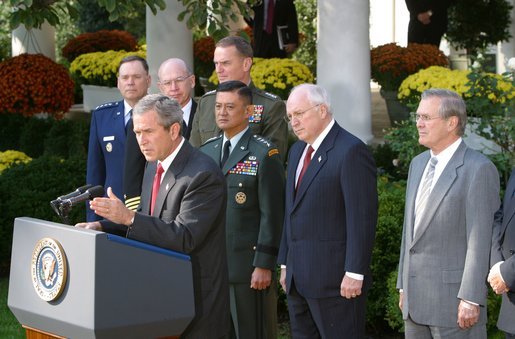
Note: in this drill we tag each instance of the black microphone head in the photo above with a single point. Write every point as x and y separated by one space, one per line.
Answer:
75 193
96 191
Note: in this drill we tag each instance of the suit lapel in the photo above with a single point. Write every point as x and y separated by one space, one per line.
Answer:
415 178
509 202
444 183
316 164
293 163
171 174
146 191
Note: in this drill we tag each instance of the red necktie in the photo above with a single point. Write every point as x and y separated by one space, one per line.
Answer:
307 160
270 16
155 187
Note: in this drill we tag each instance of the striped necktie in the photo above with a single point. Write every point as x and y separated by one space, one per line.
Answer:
425 190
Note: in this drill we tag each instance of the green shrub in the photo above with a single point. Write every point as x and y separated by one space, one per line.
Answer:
385 255
393 314
67 138
11 126
27 189
33 134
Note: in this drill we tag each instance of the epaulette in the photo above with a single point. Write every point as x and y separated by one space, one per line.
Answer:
266 94
212 139
106 105
210 93
262 140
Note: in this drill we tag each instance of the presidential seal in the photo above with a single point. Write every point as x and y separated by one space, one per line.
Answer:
49 269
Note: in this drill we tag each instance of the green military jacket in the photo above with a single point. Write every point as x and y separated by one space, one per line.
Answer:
268 119
255 203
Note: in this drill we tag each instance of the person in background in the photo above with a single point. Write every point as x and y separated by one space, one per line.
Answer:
255 211
110 125
233 61
428 21
271 19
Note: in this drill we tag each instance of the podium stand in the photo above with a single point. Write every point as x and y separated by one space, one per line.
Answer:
112 287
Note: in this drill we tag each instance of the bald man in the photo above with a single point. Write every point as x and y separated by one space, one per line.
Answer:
176 80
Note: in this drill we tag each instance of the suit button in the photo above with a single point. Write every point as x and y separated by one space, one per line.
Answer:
254 248
512 252
412 251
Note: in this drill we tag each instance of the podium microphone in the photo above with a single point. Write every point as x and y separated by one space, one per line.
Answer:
89 194
75 193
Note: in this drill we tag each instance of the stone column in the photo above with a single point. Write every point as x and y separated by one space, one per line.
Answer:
343 64
506 50
34 41
167 38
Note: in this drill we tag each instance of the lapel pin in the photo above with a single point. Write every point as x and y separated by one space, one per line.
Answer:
167 186
319 158
242 148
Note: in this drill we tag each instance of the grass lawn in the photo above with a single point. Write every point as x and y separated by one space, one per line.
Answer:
10 328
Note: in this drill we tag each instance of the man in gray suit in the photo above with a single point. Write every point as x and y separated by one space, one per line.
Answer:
182 208
502 273
451 197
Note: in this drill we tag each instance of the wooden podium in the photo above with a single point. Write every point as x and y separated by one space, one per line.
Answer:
67 282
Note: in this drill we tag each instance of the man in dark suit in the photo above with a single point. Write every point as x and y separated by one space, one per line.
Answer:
182 208
255 211
451 197
177 81
109 123
330 220
502 259
268 16
428 20
233 60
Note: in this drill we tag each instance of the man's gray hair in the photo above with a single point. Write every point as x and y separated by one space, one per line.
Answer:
168 110
451 104
316 94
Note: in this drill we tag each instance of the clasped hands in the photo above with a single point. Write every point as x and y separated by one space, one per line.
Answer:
496 281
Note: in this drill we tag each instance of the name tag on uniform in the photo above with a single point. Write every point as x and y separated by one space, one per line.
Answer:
109 138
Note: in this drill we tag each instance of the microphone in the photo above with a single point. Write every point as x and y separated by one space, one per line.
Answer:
75 193
89 194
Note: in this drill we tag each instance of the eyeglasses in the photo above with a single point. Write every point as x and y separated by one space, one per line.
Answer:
176 81
298 115
423 117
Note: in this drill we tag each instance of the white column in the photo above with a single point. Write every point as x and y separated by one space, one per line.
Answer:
34 41
167 38
343 62
506 50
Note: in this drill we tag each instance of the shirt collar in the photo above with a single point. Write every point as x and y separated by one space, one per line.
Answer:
318 141
235 139
169 159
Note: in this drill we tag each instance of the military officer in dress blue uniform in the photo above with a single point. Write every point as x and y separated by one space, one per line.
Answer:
108 130
255 209
233 61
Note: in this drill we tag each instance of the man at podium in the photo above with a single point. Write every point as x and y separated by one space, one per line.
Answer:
182 208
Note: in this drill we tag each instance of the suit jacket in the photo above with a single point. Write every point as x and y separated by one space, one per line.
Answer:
106 150
134 164
431 33
189 217
447 259
503 249
255 210
267 45
329 224
267 119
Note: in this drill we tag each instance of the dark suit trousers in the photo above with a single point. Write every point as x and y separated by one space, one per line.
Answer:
327 318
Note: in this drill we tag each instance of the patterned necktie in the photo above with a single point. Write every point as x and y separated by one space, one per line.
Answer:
425 190
270 16
155 187
305 164
226 153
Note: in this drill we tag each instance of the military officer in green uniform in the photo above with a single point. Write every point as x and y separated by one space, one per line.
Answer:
255 209
233 60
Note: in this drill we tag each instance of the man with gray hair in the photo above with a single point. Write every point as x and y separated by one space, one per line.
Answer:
451 197
182 209
329 225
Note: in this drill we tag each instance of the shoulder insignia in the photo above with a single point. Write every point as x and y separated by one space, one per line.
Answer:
262 141
273 151
107 105
212 139
271 96
265 94
210 92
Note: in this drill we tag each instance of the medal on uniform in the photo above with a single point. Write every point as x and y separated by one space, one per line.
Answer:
257 114
240 198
